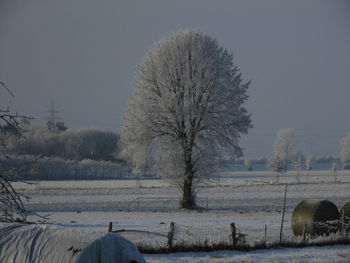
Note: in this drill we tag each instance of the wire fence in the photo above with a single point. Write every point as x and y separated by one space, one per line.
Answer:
179 237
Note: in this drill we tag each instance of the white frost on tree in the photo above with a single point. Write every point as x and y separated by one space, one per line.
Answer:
249 164
276 165
309 162
284 146
345 151
77 145
186 110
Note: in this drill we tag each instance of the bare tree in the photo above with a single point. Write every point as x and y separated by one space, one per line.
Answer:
284 146
186 110
11 205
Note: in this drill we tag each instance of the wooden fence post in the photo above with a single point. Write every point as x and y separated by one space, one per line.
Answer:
110 227
265 234
233 233
171 234
283 210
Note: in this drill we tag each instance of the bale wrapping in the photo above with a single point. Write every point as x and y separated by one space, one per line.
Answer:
315 217
345 216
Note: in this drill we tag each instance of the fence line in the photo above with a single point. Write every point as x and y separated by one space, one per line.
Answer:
235 240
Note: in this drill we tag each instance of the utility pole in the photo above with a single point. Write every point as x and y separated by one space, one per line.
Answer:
54 122
52 117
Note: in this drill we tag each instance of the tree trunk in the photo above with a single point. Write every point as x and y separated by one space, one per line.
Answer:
286 165
188 199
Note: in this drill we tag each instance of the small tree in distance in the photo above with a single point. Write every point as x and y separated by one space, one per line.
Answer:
186 110
309 162
284 146
277 166
345 151
249 164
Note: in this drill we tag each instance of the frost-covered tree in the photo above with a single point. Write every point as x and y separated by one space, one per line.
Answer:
89 143
276 165
309 162
249 164
284 146
345 151
186 110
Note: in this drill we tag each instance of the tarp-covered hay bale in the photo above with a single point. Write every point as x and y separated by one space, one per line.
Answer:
54 244
345 217
111 248
315 217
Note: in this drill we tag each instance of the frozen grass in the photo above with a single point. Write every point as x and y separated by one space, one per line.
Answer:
207 246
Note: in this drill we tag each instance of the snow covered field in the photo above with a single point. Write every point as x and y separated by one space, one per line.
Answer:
329 254
252 200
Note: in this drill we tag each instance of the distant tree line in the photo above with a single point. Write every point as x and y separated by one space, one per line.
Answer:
285 153
307 162
87 143
55 168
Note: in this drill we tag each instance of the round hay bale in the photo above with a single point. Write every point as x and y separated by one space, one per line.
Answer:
345 216
315 217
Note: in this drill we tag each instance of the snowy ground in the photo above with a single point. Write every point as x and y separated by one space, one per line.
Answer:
252 200
334 254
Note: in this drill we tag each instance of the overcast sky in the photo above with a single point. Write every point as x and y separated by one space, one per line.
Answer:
83 54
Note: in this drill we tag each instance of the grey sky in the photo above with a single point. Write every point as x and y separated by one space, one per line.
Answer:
83 54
